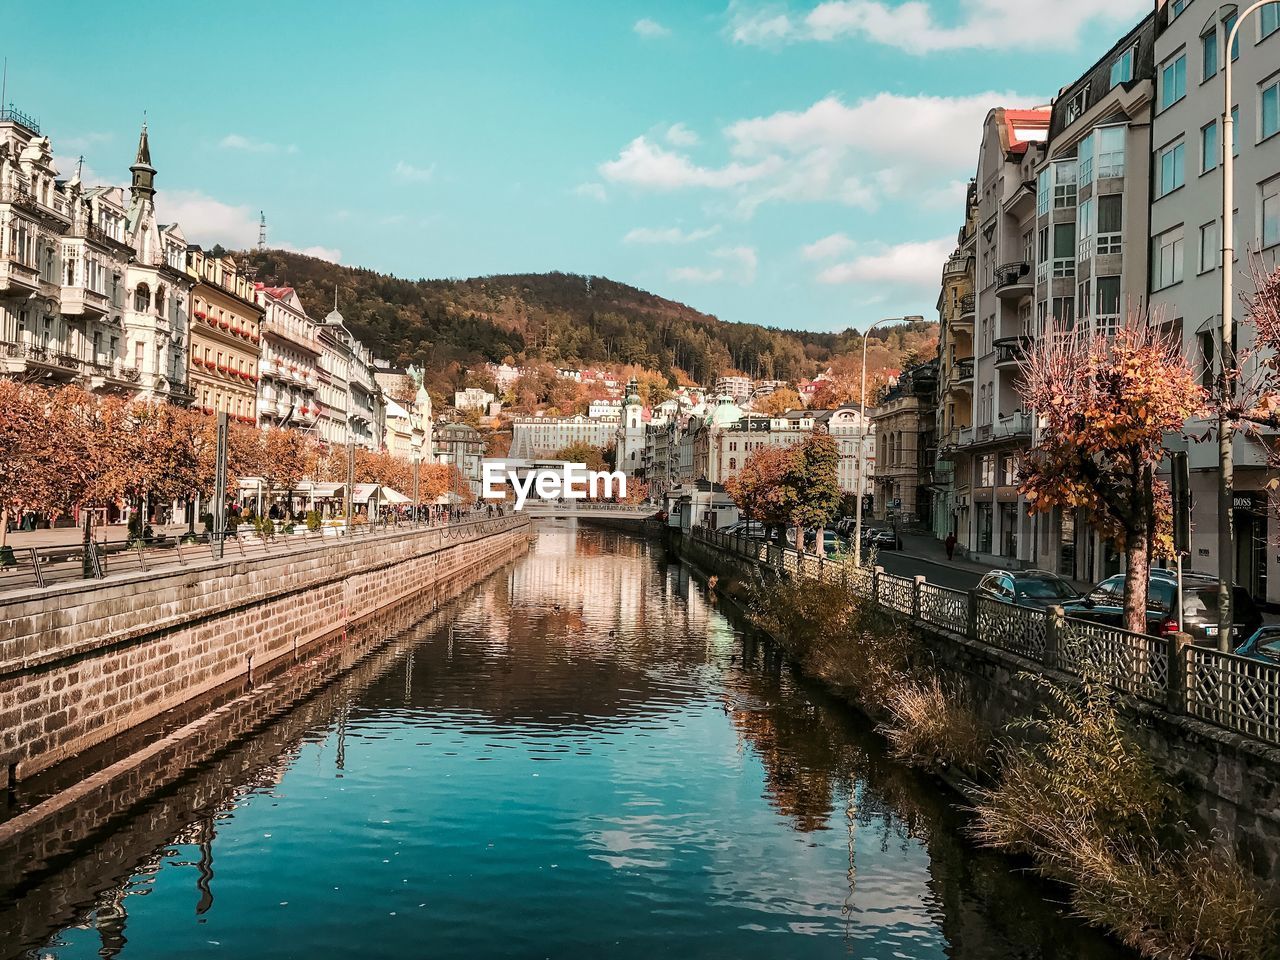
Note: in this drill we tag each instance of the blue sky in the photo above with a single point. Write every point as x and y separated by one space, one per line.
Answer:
797 165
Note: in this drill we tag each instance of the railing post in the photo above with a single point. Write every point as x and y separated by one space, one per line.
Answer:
1054 625
876 572
1179 685
971 618
35 565
915 597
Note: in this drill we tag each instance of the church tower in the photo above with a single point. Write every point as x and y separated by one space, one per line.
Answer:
144 174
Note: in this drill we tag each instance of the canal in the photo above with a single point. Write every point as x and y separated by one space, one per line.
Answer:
582 756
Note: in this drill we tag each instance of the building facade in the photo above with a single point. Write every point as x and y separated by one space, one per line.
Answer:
856 440
535 437
460 445
905 438
288 375
226 336
1186 240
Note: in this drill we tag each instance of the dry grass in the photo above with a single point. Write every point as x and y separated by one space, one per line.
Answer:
931 727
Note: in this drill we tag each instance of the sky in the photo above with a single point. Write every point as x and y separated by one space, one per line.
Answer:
798 165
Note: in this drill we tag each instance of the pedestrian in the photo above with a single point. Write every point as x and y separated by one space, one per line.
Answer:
951 545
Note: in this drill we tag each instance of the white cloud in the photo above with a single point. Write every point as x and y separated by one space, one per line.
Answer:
696 275
650 29
592 191
914 26
913 264
236 141
66 167
411 174
332 254
84 141
678 135
744 260
646 164
207 221
834 245
668 235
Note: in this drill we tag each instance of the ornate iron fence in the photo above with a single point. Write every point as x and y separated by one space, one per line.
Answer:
1011 627
1238 693
1132 662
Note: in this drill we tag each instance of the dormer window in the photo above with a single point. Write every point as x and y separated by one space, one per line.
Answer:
1122 68
1076 105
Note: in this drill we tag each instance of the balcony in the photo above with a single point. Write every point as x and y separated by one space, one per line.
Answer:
957 266
83 302
962 371
1014 281
29 361
17 278
56 215
968 307
1016 426
10 115
1011 351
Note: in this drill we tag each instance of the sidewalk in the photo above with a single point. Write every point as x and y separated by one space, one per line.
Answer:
924 548
69 536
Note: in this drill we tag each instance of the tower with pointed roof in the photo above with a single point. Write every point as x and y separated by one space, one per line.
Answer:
144 174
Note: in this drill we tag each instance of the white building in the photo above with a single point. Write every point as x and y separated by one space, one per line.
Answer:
856 440
737 388
352 409
538 436
288 374
630 437
473 398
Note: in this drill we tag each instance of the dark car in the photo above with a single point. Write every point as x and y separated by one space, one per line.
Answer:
1264 645
1105 604
1028 588
885 540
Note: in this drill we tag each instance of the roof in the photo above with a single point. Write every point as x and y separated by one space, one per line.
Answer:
278 292
1024 127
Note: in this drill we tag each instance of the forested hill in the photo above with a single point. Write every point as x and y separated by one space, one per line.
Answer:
558 317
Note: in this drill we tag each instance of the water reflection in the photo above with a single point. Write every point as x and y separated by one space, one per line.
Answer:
581 756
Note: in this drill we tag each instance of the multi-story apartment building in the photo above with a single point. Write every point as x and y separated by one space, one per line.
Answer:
91 291
988 518
351 404
460 445
735 387
288 374
473 398
1092 199
660 455
225 337
1186 238
905 446
157 288
957 305
404 388
856 440
534 437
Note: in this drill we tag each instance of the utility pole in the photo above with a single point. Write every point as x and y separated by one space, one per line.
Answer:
220 487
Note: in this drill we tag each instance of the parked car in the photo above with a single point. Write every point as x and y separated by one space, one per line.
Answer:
1264 645
1028 588
832 543
884 540
746 528
1105 604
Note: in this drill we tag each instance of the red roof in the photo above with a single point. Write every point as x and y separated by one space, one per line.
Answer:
278 292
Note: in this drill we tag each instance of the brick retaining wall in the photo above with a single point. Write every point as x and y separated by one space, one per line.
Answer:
83 662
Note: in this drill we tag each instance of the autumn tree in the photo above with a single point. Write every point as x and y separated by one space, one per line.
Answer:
814 478
759 490
779 402
582 452
1104 406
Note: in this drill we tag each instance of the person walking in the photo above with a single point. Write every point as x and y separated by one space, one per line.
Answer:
950 544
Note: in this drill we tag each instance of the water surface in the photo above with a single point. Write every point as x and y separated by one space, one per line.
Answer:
583 756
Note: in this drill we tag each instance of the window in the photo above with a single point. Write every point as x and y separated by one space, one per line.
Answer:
1176 8
1207 344
1075 107
1173 82
1110 223
1111 151
1064 185
1268 20
1085 155
1170 169
1271 212
1108 300
1064 312
1084 229
1228 22
1269 109
1210 247
137 354
1084 301
987 470
1209 55
1235 131
1122 68
1064 249
1208 147
1042 193
1166 259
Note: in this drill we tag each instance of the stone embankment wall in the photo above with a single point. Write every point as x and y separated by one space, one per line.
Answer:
82 663
1230 782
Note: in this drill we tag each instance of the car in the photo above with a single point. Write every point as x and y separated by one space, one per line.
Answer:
1028 588
1264 645
884 540
1105 604
832 543
752 529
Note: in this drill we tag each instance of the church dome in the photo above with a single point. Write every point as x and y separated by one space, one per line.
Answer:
726 412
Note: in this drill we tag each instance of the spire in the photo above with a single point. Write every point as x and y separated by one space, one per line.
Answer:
144 174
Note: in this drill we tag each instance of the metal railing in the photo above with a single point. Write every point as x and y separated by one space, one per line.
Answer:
1236 693
25 567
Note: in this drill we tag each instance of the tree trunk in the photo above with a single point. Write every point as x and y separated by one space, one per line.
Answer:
4 526
1136 580
820 545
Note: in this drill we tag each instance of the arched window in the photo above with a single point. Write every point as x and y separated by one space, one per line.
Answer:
162 306
142 298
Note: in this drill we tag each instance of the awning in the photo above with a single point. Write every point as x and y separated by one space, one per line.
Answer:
394 497
364 492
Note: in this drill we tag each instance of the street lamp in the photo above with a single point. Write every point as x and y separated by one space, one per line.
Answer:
1226 382
862 444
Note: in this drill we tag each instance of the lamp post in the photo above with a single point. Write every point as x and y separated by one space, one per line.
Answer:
1226 373
862 445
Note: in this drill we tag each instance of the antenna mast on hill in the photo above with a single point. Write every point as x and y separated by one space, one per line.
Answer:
262 230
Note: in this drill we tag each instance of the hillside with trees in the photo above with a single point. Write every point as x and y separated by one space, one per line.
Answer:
563 319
